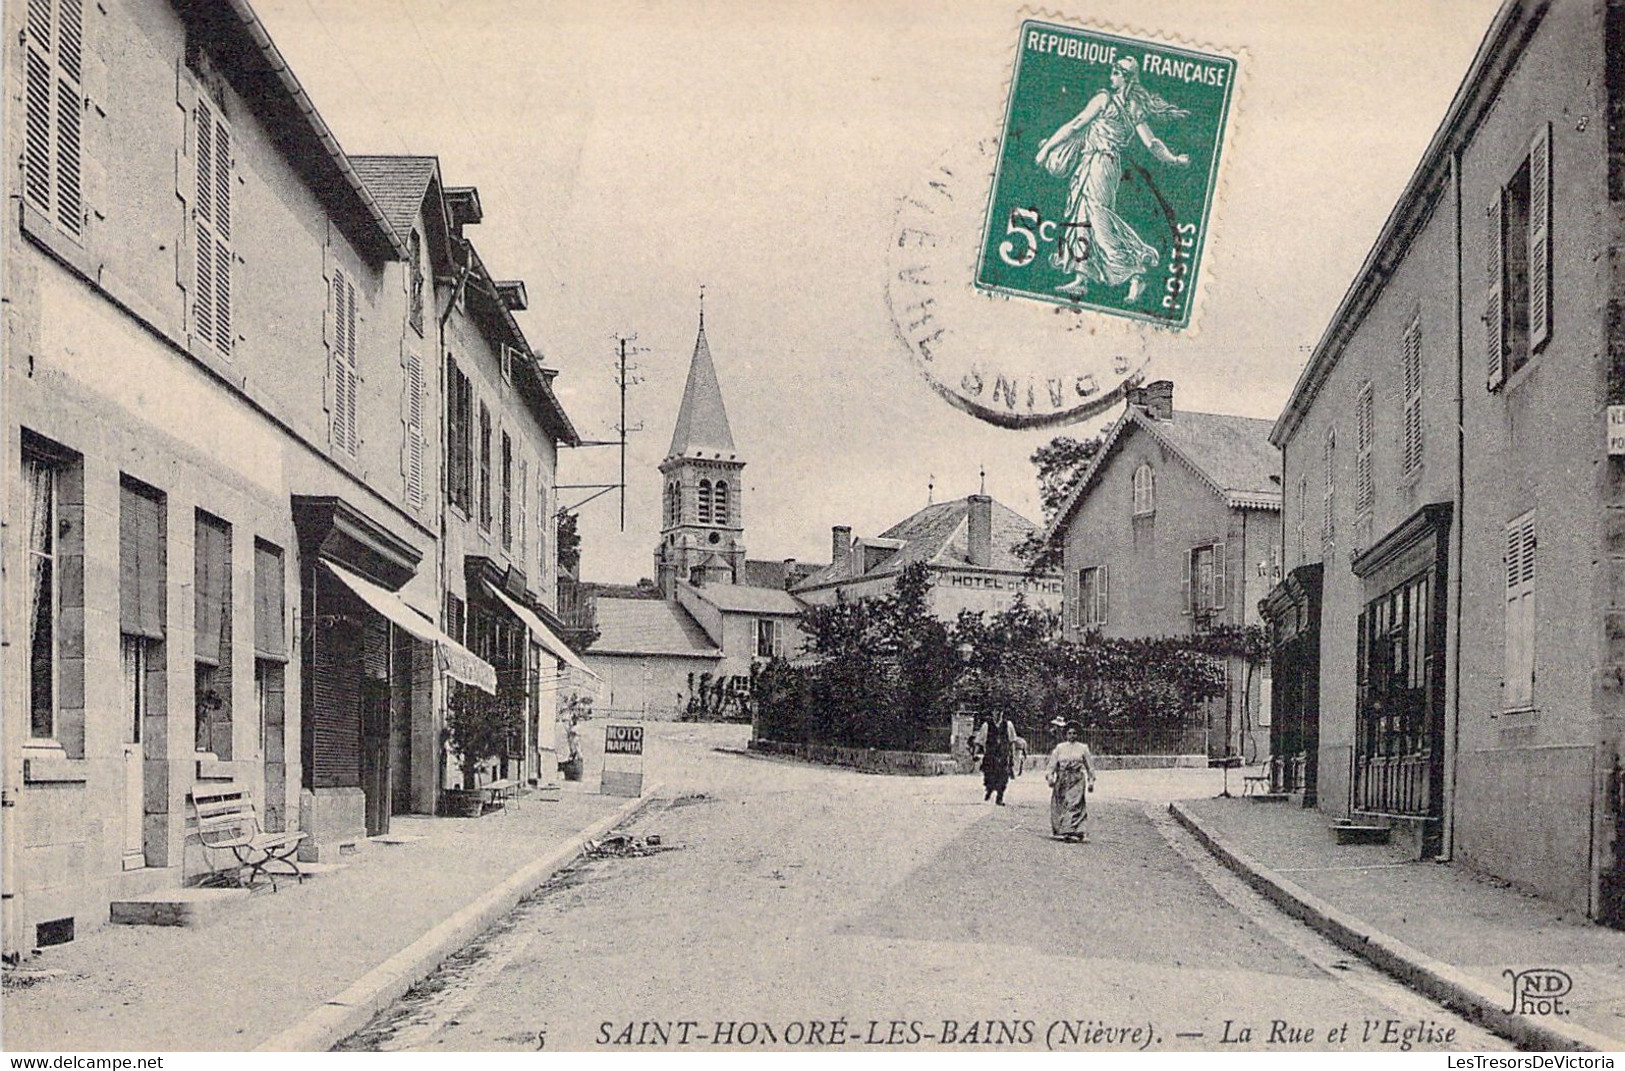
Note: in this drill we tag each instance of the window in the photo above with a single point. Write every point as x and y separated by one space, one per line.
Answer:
44 617
459 438
343 372
54 486
1328 519
1204 581
412 433
212 644
270 647
456 618
1092 596
414 256
719 505
1145 491
1364 487
143 593
1519 693
507 492
485 467
54 111
674 503
211 219
705 501
769 638
1517 304
1410 444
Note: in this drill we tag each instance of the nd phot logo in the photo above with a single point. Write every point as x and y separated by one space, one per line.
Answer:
1538 991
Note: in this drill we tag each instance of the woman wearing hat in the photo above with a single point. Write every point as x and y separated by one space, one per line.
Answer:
1071 777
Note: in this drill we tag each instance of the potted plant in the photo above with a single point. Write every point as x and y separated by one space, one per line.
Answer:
478 726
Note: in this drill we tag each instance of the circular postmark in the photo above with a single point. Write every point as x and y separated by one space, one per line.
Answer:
1011 362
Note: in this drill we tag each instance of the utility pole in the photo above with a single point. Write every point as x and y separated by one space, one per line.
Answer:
625 376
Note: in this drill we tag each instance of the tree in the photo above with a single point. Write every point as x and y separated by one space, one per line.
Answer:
569 544
481 726
1061 463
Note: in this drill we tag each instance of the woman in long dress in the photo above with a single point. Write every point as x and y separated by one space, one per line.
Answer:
1098 245
1072 777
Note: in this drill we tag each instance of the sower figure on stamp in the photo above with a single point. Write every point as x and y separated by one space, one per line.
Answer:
1071 777
1098 245
996 738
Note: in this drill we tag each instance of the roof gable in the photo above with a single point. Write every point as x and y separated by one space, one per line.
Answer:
938 535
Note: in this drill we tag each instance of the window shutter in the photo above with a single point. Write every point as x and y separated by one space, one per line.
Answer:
524 509
223 335
351 370
413 443
1411 359
1217 602
54 110
1185 582
270 631
203 324
142 583
1527 608
1364 420
1102 580
1494 326
1540 237
1328 530
344 433
212 589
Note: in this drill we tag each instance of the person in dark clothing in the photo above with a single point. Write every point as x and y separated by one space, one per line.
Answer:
997 756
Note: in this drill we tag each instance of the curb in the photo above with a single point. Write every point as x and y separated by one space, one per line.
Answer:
1436 979
348 1012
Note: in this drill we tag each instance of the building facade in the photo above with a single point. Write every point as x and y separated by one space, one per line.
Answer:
1452 596
1174 529
224 443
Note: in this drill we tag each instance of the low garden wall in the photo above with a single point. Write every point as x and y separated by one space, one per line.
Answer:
866 760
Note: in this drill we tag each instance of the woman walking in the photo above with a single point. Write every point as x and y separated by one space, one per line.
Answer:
998 755
1071 777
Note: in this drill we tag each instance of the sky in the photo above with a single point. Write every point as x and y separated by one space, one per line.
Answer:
627 153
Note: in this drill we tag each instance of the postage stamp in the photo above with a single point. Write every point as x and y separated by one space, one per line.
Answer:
1106 173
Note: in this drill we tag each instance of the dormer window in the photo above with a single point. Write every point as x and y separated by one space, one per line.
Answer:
1145 491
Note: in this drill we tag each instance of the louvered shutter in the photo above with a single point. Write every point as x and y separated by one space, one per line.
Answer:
1102 582
54 111
334 741
524 509
344 375
1185 582
1540 238
1328 517
1411 360
1520 616
1217 602
212 221
1364 420
1494 325
416 398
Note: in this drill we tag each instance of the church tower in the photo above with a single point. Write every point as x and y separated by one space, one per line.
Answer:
702 517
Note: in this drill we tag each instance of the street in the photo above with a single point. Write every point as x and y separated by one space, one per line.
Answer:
789 906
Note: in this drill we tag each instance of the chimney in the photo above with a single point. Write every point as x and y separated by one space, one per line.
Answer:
840 543
1156 399
789 573
980 542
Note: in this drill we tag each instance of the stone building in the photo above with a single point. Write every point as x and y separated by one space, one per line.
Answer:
966 543
224 435
1449 623
1173 529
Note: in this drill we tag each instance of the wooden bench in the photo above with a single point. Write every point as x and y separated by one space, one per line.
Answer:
228 821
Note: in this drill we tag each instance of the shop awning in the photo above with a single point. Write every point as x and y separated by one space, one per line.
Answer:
458 661
546 637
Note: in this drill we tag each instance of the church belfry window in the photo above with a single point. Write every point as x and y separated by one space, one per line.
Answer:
719 508
705 501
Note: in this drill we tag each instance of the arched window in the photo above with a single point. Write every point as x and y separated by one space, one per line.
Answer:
1145 491
720 512
705 501
671 504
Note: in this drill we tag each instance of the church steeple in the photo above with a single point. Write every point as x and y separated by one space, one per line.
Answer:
702 419
702 530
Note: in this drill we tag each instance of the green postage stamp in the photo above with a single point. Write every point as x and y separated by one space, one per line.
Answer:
1105 173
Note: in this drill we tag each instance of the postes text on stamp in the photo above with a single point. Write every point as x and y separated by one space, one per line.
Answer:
1106 173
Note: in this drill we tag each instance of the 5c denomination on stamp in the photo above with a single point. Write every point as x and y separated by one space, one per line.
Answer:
1106 173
